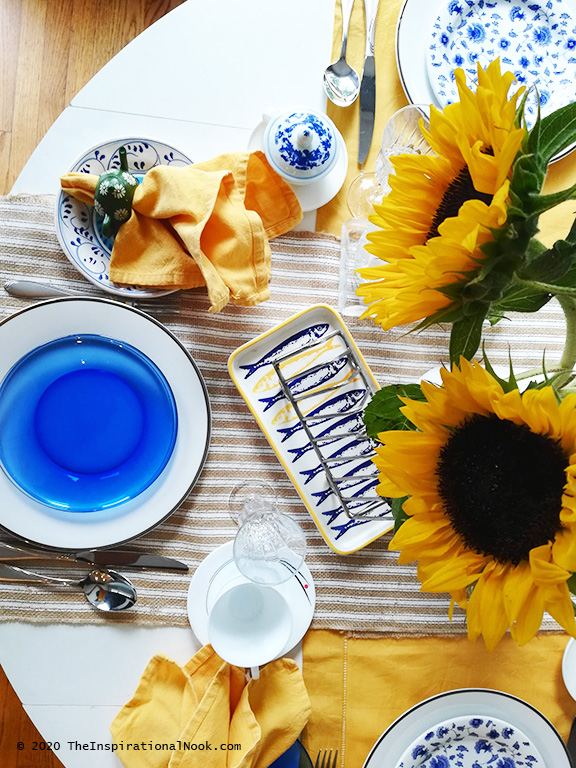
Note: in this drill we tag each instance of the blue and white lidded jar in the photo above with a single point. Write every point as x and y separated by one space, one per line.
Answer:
301 145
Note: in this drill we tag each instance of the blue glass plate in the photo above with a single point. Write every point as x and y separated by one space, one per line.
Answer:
86 423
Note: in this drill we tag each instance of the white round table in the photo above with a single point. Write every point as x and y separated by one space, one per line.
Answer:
199 78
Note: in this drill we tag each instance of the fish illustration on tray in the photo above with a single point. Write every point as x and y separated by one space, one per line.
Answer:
314 384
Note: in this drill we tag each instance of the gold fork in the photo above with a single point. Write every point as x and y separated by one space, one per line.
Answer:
329 759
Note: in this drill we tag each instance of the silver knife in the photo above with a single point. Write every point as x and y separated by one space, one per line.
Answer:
9 552
571 745
368 84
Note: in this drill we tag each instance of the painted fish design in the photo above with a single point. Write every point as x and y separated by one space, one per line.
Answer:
354 481
339 404
310 474
297 364
345 527
353 422
288 413
291 344
308 381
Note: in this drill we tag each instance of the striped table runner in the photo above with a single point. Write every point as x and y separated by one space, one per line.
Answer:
366 592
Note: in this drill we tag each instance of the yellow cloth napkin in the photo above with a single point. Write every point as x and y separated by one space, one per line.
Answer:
389 98
207 705
204 224
359 686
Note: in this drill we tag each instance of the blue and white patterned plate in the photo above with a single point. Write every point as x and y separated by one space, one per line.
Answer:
79 228
472 742
536 41
426 716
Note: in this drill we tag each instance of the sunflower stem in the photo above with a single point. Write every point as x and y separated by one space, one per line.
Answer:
557 290
569 355
537 371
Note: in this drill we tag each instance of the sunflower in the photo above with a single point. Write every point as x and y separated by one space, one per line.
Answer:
441 208
491 513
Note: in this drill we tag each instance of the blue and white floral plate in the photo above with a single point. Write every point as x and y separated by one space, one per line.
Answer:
472 742
536 41
79 228
458 706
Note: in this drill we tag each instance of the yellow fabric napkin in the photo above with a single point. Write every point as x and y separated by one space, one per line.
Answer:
389 98
207 714
359 686
204 224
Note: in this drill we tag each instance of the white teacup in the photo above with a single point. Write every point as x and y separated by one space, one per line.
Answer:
249 625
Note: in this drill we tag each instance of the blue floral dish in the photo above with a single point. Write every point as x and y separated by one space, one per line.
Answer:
302 145
86 423
536 41
79 227
472 742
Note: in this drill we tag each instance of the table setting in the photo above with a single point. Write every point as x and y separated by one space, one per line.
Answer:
215 422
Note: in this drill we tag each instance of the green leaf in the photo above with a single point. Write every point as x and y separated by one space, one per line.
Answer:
536 204
507 384
527 177
466 334
557 131
383 412
518 298
572 583
446 315
551 264
398 512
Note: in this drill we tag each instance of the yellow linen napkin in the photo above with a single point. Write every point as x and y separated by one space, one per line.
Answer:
359 686
389 98
206 713
204 224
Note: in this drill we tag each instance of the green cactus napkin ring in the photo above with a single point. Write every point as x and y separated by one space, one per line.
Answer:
113 196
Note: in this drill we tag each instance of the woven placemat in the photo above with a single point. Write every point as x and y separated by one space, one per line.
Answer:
366 592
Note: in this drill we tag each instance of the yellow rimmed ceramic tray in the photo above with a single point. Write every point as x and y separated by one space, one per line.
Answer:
307 383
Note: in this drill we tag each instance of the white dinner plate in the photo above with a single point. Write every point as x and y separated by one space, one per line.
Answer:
218 570
60 529
391 746
316 194
78 228
413 30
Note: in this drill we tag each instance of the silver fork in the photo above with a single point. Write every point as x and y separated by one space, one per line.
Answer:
329 759
35 289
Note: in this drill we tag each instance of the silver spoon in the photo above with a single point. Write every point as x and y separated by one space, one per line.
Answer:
341 81
104 589
35 289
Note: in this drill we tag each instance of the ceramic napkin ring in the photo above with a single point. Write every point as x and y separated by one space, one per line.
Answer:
113 196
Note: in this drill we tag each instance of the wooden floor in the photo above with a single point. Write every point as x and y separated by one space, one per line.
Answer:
49 49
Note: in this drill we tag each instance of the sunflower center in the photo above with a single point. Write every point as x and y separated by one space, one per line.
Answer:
459 191
502 486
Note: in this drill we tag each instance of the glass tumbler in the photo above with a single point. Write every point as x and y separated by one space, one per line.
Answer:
270 546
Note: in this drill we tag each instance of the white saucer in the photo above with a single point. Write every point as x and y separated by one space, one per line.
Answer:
218 569
314 195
